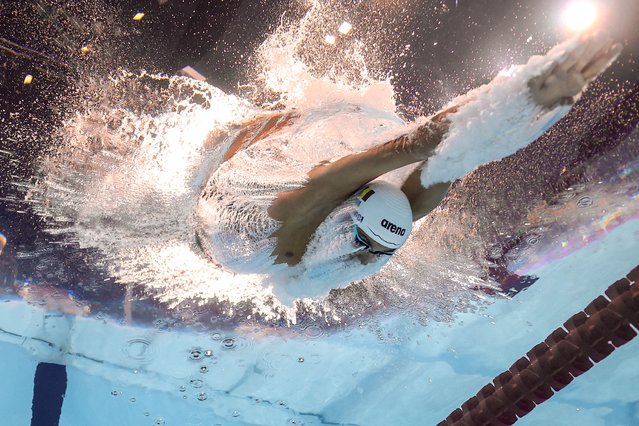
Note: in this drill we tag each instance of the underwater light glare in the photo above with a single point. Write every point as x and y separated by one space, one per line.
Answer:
580 15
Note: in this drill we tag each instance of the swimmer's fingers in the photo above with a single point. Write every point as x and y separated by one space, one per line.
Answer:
590 48
593 46
601 63
572 57
568 76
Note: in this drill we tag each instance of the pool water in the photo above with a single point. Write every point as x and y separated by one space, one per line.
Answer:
102 160
392 370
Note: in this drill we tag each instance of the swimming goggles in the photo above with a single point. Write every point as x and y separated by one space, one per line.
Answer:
362 242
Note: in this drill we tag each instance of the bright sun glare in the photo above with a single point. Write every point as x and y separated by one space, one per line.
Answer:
580 15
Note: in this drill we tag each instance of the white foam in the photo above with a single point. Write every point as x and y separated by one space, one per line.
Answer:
495 120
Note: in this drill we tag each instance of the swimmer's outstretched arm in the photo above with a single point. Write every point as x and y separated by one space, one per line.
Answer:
329 184
560 83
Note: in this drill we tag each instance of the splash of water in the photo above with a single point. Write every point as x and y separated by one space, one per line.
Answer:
129 170
295 62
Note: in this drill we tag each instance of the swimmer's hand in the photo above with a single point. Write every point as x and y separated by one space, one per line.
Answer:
569 76
421 143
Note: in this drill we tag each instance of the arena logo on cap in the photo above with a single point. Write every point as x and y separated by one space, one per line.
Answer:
393 228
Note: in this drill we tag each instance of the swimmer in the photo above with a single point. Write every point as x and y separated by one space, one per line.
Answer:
338 212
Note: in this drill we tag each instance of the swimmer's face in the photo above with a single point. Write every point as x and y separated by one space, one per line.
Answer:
369 249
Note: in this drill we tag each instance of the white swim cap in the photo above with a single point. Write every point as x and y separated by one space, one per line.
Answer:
384 214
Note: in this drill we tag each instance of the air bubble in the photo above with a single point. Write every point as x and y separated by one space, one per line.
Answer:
208 353
132 399
533 239
138 349
204 369
115 393
196 354
235 413
300 359
182 388
196 383
313 331
159 421
202 396
585 201
216 336
228 343
241 343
